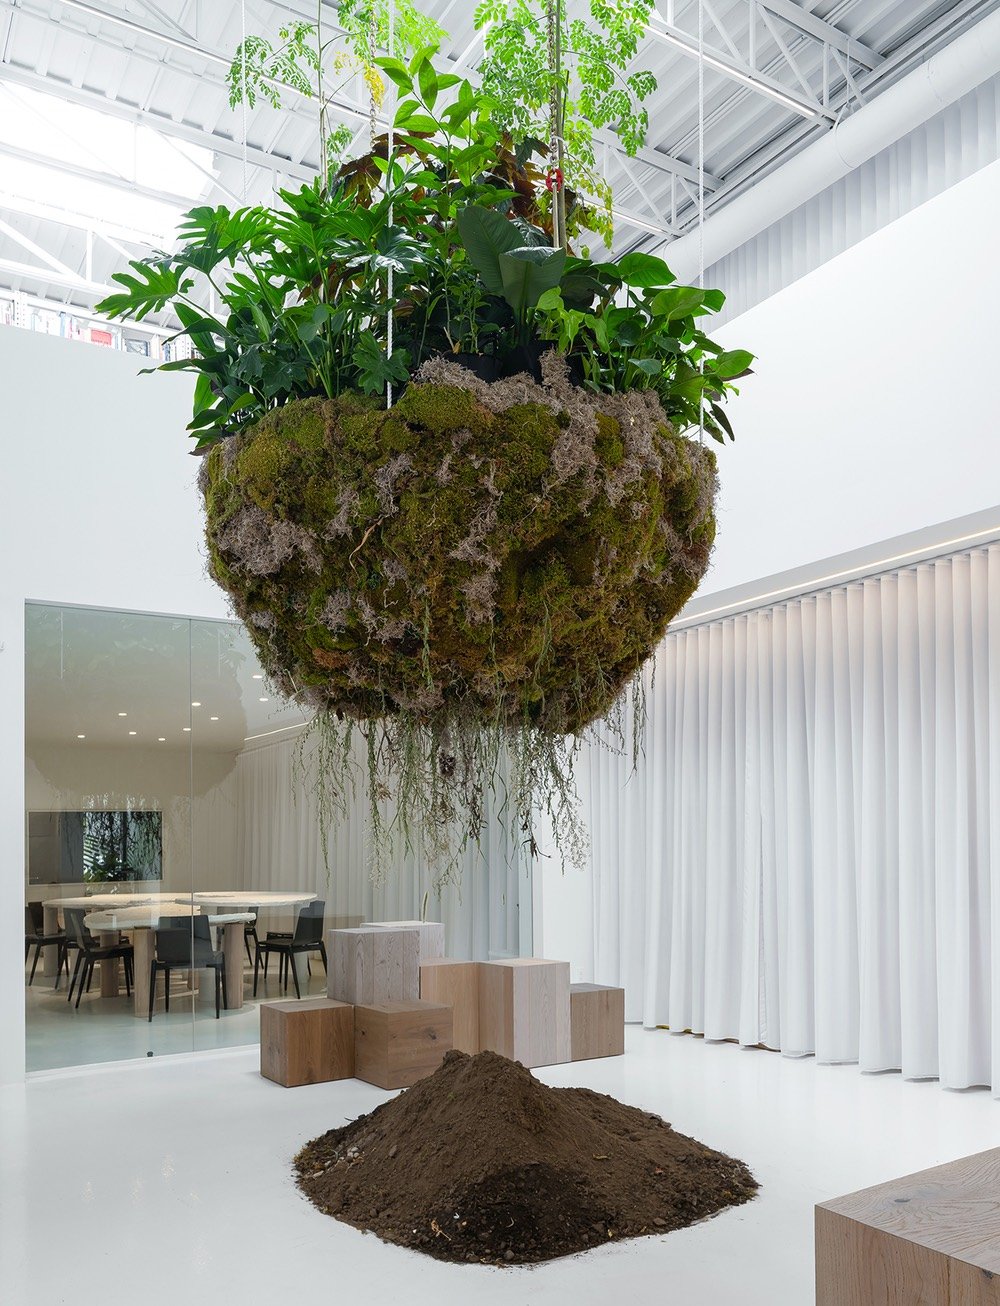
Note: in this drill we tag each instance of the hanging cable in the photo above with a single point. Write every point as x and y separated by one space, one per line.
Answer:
390 280
243 97
701 192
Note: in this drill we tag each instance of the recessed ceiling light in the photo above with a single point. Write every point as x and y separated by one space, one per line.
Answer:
123 714
131 732
213 718
263 700
162 739
258 675
81 736
196 705
187 730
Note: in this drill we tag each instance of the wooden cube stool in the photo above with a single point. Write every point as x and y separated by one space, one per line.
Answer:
524 1010
597 1021
929 1239
456 985
306 1042
431 935
369 965
397 1043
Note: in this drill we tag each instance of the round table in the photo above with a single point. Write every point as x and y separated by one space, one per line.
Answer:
139 913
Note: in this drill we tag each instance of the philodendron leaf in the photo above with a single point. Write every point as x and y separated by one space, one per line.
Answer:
678 301
527 273
732 363
486 235
644 271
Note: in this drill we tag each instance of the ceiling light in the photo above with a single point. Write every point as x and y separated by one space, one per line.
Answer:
196 705
81 736
131 732
123 714
187 730
258 675
213 718
720 65
262 700
162 739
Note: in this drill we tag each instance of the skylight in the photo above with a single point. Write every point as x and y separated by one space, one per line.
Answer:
55 133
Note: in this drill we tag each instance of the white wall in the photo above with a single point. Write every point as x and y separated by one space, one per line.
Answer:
873 409
871 416
98 507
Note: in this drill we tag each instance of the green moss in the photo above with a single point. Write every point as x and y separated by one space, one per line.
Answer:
516 593
609 444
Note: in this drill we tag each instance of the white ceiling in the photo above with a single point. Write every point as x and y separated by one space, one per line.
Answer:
105 675
162 64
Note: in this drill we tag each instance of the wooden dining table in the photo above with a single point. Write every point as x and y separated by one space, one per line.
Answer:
138 914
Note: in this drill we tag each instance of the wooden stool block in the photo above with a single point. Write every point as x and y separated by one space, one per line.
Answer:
456 984
524 1010
370 965
597 1021
397 1043
306 1042
431 935
929 1239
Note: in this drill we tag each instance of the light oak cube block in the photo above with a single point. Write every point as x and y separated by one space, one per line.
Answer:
307 1042
431 935
368 965
397 1043
597 1021
456 985
524 1010
929 1239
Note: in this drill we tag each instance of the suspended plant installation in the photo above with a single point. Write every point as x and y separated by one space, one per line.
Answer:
466 579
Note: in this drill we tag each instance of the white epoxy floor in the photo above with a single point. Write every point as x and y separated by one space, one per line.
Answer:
168 1181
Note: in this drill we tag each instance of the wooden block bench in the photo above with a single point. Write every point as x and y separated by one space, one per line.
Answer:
929 1239
597 1021
431 935
456 985
306 1042
397 1043
370 965
524 1010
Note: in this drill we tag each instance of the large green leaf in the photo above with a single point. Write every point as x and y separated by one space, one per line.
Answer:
151 289
644 271
678 301
733 363
527 272
486 235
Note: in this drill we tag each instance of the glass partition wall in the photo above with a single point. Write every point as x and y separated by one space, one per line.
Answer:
172 834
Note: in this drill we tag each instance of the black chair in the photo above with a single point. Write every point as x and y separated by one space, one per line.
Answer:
250 932
35 937
308 937
90 952
185 943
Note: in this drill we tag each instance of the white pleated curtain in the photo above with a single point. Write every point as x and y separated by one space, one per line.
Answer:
803 859
279 846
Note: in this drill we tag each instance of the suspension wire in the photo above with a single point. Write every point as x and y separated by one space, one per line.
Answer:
701 191
243 97
390 148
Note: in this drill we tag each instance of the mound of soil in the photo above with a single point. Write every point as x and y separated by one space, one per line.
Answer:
482 1162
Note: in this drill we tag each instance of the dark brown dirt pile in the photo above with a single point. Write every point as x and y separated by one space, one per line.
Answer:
482 1162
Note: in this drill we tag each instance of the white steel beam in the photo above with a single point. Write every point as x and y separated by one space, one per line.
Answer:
823 31
48 276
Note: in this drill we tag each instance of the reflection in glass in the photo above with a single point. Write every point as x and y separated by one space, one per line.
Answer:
174 848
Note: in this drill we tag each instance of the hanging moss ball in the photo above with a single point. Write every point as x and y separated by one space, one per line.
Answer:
512 551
